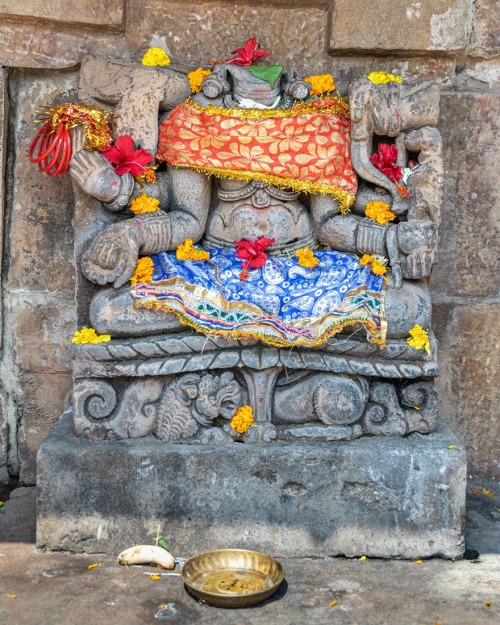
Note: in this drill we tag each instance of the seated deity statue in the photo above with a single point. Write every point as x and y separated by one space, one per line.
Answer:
249 161
267 214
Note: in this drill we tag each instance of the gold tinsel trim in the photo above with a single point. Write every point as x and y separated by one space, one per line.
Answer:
344 198
96 122
339 107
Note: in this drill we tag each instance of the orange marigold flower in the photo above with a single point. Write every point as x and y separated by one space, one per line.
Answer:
320 84
143 270
376 265
242 420
144 204
89 335
197 77
306 257
419 339
186 251
379 212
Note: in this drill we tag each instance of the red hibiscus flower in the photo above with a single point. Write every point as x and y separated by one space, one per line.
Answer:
385 161
125 158
252 253
248 54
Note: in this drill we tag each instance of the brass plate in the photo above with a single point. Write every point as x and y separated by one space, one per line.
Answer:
232 578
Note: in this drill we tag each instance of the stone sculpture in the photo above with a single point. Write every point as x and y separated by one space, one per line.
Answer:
157 375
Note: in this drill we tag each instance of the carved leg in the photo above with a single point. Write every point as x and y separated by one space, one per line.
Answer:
260 384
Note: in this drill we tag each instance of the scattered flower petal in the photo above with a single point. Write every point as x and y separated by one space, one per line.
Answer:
419 562
490 493
362 558
242 420
377 266
332 603
488 603
93 566
452 446
474 491
155 578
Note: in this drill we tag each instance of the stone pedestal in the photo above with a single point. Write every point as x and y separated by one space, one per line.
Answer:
378 496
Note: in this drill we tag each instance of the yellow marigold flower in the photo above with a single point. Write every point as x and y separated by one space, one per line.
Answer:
306 257
89 335
377 267
144 204
320 84
419 339
154 57
148 175
242 420
382 78
143 270
186 251
379 212
196 78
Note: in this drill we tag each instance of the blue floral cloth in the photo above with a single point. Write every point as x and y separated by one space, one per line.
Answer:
282 303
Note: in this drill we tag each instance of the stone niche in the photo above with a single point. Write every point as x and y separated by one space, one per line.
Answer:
346 454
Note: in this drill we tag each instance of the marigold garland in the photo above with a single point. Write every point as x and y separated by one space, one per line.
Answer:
306 258
379 212
155 57
382 78
197 77
144 204
242 420
186 251
89 335
377 266
143 270
419 339
148 175
320 84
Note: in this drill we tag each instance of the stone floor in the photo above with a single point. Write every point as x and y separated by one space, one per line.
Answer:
59 589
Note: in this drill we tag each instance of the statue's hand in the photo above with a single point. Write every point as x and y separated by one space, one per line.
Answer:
95 175
112 256
417 242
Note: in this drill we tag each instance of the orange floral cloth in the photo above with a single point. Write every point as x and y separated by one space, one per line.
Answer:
305 147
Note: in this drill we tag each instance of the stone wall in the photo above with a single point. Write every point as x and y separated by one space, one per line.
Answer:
453 41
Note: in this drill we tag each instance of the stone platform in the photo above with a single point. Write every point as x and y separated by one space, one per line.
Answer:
378 496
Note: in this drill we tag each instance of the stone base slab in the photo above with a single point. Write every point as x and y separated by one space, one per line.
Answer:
378 496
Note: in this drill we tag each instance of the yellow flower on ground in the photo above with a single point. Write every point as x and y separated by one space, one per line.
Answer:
186 251
154 57
242 420
155 578
382 78
419 339
196 78
377 266
89 335
143 270
320 84
379 212
306 257
93 566
144 204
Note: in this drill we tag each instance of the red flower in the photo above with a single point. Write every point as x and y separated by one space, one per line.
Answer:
247 55
385 161
126 158
252 252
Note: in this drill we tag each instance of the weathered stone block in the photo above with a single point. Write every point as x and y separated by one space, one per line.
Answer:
485 38
39 404
385 497
469 124
469 358
398 25
89 12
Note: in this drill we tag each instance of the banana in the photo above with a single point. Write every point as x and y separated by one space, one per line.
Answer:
147 554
